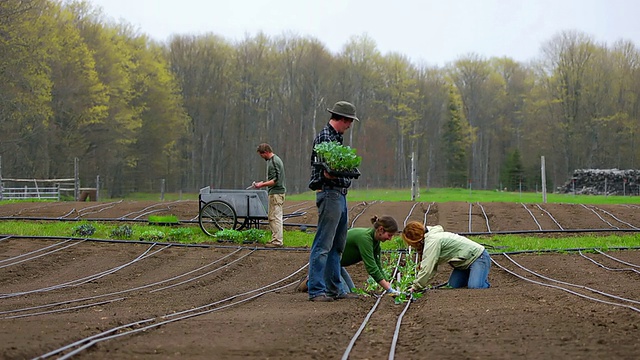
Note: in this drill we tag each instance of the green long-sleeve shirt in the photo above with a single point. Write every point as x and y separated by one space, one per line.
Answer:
444 247
362 246
275 172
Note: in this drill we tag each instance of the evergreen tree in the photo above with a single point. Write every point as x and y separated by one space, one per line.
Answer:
455 140
512 174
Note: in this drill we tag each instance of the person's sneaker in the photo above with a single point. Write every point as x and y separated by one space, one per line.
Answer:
347 296
302 285
321 298
272 245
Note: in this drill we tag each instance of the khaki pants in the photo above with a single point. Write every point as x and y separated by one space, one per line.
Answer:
276 202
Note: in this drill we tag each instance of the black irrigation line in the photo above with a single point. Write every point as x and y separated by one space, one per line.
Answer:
62 310
135 327
355 337
560 287
102 207
562 230
44 254
541 251
613 216
550 216
571 284
486 217
134 220
88 278
128 290
366 206
32 252
532 216
143 242
556 231
616 259
404 223
396 332
600 217
606 267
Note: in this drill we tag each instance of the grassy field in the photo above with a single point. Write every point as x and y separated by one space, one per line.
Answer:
425 195
192 234
464 195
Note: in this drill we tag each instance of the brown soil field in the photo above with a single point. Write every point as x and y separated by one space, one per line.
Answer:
161 301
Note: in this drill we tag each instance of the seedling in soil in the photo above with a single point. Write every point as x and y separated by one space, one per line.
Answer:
84 230
255 235
122 232
180 235
152 235
242 237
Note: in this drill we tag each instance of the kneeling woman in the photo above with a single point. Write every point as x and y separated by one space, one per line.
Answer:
470 261
363 244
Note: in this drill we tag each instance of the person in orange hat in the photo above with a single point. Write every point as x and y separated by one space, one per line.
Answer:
470 261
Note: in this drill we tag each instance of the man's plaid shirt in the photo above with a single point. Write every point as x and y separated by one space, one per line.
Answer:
328 133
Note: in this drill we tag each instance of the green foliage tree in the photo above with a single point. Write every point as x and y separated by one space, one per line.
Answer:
25 84
512 172
455 142
73 84
79 99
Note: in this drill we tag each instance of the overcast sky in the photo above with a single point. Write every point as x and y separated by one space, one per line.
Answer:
432 32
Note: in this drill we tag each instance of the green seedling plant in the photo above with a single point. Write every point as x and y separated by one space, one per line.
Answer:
338 157
245 236
255 236
404 275
229 235
182 235
152 235
84 230
122 232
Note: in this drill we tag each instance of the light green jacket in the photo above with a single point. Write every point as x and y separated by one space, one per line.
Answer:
444 247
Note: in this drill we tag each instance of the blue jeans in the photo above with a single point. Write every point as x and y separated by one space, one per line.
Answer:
328 244
345 278
475 277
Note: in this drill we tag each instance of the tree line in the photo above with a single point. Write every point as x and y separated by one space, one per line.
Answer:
191 110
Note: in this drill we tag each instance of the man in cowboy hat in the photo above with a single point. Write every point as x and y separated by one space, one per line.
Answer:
329 242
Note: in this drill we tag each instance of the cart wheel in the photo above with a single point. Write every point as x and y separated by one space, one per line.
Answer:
217 215
243 224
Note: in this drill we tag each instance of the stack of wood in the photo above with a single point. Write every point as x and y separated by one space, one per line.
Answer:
603 182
